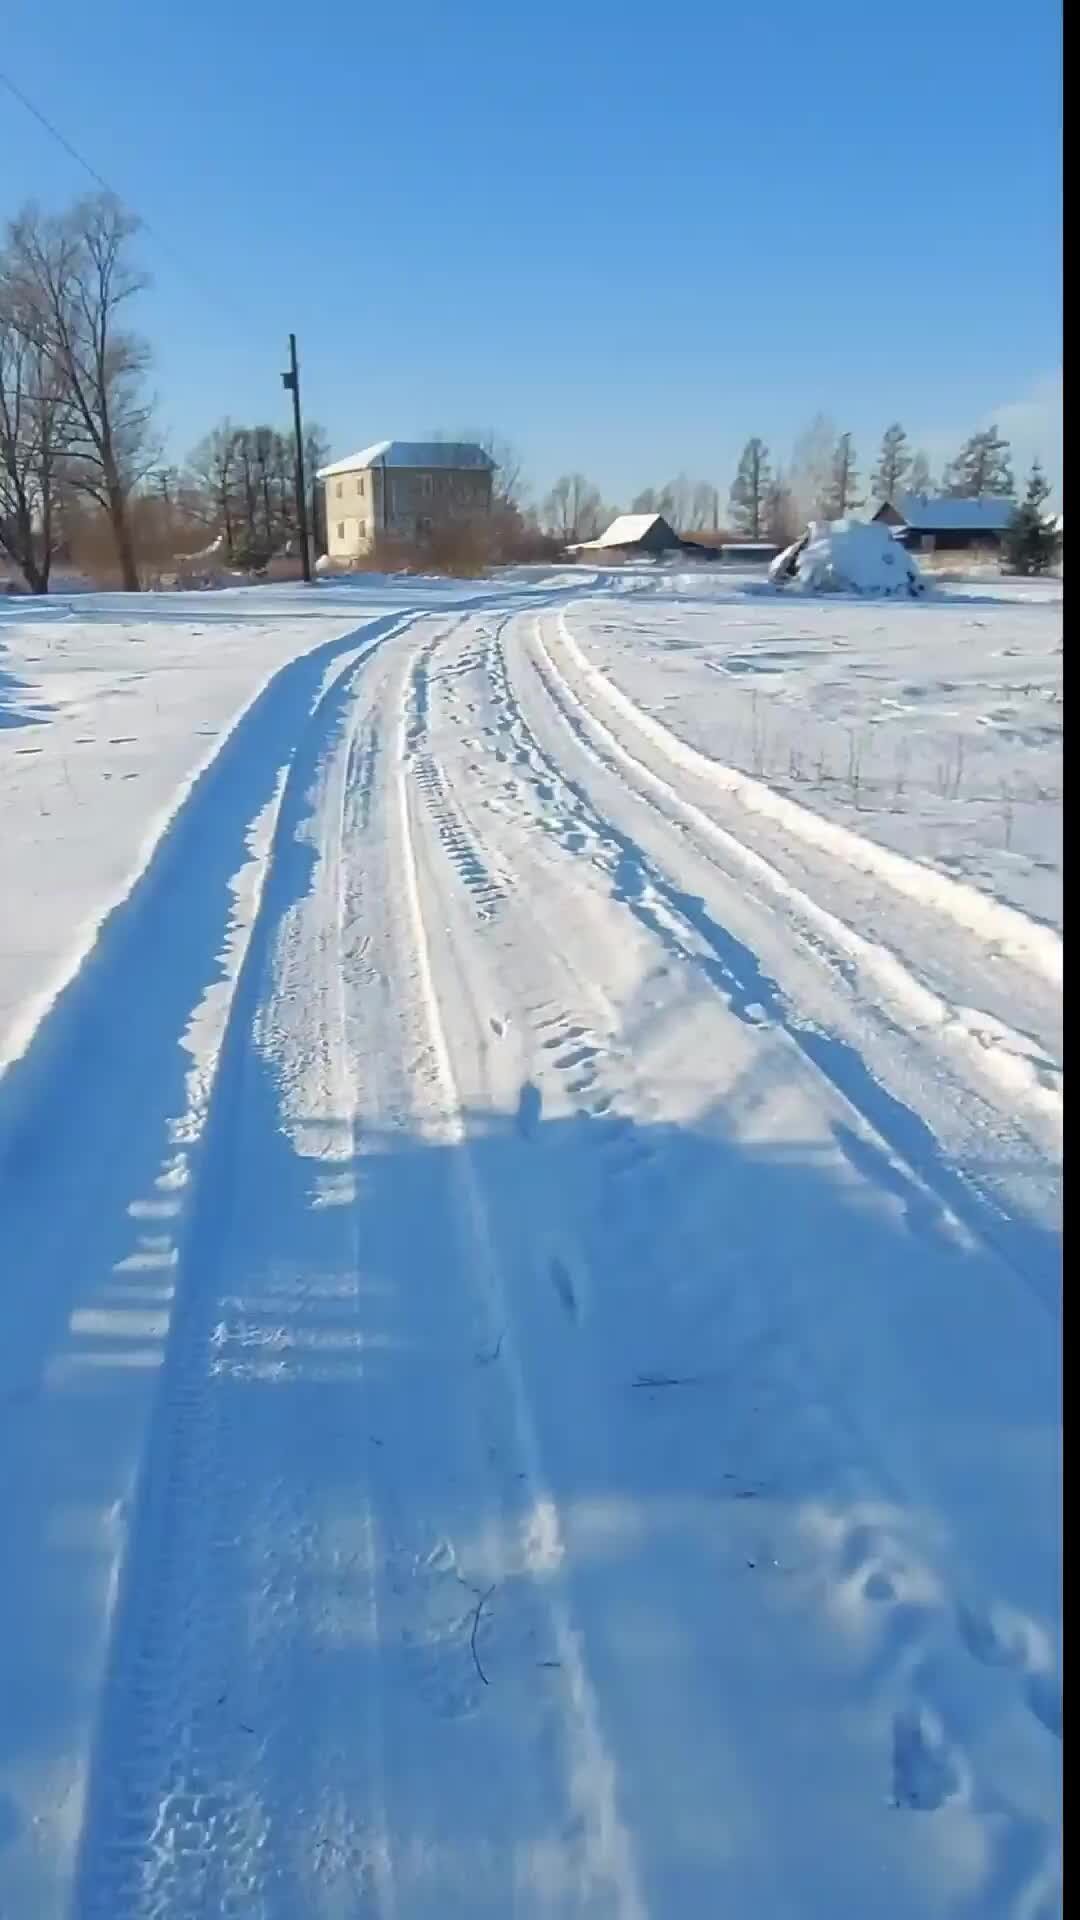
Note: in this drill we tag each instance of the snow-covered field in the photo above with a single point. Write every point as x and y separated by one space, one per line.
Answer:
529 1234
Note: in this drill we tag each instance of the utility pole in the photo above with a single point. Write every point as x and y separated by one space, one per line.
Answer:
291 382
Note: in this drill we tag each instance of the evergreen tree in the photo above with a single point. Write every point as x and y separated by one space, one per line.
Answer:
919 479
981 467
894 464
841 495
1032 543
750 490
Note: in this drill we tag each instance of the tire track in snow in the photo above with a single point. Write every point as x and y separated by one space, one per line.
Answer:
1030 1249
101 1124
873 1559
609 1865
1008 1072
1028 942
169 1827
487 891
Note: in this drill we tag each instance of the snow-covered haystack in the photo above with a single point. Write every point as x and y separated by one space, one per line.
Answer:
848 556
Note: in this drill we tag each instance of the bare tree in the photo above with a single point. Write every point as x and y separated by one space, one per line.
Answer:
213 469
573 510
676 502
920 480
645 502
508 487
509 491
248 486
75 281
316 455
32 426
780 514
811 467
244 479
703 507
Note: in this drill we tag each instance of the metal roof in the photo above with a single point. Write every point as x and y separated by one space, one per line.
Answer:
946 514
456 455
628 529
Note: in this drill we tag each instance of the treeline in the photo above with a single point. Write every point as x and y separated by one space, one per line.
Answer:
242 482
772 503
81 474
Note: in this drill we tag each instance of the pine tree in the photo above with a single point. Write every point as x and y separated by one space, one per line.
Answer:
841 494
749 490
981 467
894 464
919 479
1032 543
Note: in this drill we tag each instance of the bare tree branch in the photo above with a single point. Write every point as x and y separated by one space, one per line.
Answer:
73 278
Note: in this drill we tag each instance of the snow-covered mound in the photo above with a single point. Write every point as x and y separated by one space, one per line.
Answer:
848 556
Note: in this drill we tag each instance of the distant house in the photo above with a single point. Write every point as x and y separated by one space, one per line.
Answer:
643 535
752 553
402 487
947 525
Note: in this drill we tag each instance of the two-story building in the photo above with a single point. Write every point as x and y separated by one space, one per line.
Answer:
402 487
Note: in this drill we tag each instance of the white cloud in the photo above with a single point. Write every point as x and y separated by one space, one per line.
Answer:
1032 423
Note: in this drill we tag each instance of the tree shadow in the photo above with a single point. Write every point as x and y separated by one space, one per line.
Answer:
465 1466
18 706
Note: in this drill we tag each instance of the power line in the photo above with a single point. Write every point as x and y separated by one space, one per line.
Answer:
61 139
214 298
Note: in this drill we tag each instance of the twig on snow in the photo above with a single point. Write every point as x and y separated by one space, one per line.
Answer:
667 1380
480 1605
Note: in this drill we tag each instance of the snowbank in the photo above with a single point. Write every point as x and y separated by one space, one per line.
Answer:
848 556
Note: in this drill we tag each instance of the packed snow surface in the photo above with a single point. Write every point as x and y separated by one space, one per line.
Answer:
529 1229
849 556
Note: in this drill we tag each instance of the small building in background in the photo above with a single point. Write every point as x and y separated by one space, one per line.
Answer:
947 525
749 553
642 536
403 488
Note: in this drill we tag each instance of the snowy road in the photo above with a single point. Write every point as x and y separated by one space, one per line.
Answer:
530 1375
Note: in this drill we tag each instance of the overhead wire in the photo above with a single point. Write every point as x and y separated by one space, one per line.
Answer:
73 153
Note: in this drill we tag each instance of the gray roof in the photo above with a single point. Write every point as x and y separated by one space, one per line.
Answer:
989 514
460 456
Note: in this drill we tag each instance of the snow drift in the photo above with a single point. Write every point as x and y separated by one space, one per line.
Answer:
848 556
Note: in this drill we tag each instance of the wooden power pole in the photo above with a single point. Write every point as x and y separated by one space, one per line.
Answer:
291 382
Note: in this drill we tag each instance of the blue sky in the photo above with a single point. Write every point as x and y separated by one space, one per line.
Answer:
624 236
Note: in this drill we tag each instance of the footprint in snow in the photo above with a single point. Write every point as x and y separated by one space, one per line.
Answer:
925 1774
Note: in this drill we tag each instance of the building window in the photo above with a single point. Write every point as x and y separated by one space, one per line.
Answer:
341 530
360 486
426 485
423 524
362 528
340 488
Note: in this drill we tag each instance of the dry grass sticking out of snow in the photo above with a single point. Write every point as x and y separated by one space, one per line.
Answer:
934 727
